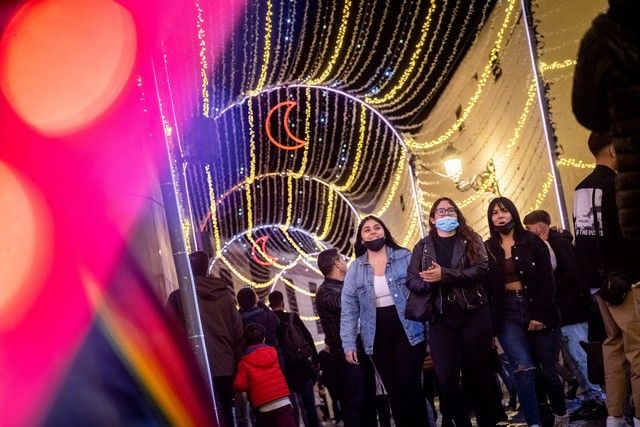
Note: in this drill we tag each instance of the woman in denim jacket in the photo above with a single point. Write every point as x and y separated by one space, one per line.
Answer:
525 313
374 297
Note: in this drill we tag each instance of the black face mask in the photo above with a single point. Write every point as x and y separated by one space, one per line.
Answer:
375 245
505 228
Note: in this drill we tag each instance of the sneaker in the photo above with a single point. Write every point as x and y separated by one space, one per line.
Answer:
589 410
616 422
572 389
561 420
636 422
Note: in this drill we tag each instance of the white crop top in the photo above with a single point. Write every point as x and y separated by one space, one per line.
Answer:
383 294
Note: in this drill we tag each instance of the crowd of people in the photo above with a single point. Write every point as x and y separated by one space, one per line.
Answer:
553 317
549 314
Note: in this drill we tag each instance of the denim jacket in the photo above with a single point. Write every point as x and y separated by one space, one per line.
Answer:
359 300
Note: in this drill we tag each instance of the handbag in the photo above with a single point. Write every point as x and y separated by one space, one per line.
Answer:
419 307
615 287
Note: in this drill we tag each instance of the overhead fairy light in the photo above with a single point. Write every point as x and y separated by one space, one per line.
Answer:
336 65
482 81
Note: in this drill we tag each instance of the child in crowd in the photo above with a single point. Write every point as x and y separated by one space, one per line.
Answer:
260 375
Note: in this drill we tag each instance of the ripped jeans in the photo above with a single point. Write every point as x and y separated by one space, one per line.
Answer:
528 351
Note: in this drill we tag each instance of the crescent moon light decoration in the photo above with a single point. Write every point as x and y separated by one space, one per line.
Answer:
263 246
300 142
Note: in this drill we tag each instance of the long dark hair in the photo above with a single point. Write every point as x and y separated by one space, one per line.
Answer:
507 204
473 247
360 248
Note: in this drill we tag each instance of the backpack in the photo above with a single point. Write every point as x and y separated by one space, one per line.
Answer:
295 347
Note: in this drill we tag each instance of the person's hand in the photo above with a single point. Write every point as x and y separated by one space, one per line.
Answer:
352 357
534 325
427 363
433 274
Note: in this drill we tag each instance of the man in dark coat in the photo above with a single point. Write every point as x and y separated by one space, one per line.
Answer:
573 298
606 98
601 248
356 382
301 374
221 325
253 311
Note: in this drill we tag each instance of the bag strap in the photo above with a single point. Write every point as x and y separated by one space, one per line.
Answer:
596 225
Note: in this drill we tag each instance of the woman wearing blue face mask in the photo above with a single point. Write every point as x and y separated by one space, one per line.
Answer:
450 265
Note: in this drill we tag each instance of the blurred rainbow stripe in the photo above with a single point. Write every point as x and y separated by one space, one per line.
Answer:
154 351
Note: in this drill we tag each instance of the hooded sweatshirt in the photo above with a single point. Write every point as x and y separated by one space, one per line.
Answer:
221 323
260 375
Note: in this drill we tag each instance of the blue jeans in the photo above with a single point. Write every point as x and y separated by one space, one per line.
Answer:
528 351
571 336
305 406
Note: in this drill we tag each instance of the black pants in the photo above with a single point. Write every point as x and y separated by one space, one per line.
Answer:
460 341
223 389
400 367
357 391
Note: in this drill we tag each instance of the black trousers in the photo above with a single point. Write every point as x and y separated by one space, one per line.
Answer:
357 391
400 367
223 389
460 342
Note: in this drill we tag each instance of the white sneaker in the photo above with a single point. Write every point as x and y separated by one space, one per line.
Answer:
616 422
636 422
561 420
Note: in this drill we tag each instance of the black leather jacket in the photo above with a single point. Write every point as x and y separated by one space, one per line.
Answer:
533 266
465 278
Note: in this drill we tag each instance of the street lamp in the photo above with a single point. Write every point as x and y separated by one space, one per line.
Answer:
485 180
452 163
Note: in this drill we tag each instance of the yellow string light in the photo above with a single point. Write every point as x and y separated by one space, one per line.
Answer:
575 163
481 192
557 65
203 61
328 219
412 226
482 81
522 120
543 193
252 143
346 12
359 148
266 52
307 136
412 63
394 185
297 288
213 209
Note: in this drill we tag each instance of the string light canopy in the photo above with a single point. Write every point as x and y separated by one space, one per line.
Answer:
300 128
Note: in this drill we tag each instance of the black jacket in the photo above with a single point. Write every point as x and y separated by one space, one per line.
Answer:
467 278
296 374
328 306
610 251
533 266
606 97
573 298
263 315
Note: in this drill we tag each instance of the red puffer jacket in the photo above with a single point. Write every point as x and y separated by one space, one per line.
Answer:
260 375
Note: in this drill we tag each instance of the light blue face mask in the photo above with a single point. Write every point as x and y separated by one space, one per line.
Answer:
447 223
